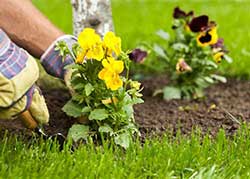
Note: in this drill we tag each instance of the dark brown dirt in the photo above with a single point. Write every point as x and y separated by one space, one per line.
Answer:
157 116
224 103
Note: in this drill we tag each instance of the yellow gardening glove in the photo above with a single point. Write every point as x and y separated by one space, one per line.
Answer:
37 108
18 73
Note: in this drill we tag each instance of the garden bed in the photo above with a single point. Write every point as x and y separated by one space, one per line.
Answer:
224 104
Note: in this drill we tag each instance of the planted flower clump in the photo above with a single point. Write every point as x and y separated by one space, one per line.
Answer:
192 57
102 97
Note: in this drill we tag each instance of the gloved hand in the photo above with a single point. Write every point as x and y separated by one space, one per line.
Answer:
18 73
54 64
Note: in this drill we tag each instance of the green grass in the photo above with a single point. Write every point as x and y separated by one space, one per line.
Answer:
137 20
166 158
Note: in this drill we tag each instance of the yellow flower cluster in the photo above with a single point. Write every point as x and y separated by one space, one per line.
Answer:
93 47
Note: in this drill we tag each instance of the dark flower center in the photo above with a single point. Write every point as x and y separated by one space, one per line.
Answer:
206 38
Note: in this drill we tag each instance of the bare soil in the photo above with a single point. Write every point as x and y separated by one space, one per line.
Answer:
224 107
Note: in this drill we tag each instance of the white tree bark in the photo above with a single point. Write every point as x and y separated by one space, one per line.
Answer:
92 13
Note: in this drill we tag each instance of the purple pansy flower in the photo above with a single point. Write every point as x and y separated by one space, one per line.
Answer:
137 55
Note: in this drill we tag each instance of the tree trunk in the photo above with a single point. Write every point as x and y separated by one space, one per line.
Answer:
92 13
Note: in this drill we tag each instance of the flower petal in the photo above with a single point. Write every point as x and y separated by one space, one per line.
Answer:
115 83
198 23
101 74
112 43
105 63
96 52
118 66
178 13
214 35
208 37
88 38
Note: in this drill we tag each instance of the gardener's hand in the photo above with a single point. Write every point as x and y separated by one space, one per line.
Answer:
18 73
53 61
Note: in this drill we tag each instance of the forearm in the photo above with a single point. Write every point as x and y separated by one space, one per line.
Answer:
26 26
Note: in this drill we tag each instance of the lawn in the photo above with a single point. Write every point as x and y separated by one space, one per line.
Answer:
165 158
169 157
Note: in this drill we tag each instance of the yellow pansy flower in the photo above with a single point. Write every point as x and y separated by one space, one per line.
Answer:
218 56
112 44
88 38
110 73
113 65
111 79
91 44
208 37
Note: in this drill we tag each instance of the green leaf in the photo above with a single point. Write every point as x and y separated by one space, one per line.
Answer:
72 109
78 131
77 97
219 78
180 47
128 109
211 63
208 79
159 51
171 92
164 35
106 129
199 93
138 101
123 140
201 82
227 58
88 89
86 109
98 114
79 86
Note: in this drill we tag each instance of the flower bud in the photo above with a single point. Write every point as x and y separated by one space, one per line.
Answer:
138 55
182 66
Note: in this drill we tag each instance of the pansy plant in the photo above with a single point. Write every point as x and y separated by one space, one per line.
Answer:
102 98
192 57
